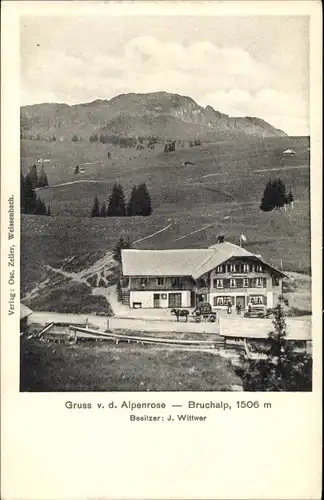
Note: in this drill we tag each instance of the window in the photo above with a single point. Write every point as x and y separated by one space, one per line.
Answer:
175 282
245 283
259 268
160 281
218 283
233 268
299 344
222 301
143 282
219 269
257 299
232 283
246 268
275 281
259 282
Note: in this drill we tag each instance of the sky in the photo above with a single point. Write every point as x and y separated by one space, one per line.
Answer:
241 66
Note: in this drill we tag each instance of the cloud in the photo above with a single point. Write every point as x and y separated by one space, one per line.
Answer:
283 110
227 78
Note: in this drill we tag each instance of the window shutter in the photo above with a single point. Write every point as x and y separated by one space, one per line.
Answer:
239 282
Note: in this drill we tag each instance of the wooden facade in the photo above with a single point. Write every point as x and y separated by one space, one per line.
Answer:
238 281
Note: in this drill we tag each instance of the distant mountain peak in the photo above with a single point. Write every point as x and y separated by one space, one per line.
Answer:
140 114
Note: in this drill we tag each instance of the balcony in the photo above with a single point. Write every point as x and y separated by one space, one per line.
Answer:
202 290
151 286
243 290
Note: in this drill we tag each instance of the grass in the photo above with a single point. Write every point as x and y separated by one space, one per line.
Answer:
92 367
53 240
298 292
70 297
187 198
221 172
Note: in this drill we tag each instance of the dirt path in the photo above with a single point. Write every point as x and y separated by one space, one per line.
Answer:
280 168
66 274
226 173
36 290
115 323
79 181
153 234
194 232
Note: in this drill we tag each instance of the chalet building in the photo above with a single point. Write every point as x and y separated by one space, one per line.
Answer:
289 152
219 274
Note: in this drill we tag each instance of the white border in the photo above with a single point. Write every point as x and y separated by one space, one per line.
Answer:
49 452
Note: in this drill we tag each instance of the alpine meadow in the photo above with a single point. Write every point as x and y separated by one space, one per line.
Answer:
165 202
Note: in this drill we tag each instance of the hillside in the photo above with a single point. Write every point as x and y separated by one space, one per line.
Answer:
228 171
168 116
218 192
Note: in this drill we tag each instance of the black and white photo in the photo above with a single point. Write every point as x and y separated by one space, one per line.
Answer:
165 203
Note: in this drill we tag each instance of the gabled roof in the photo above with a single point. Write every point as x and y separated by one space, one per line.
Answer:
182 262
220 253
24 311
162 262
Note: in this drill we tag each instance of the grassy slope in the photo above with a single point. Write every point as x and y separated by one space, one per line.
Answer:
181 195
275 235
120 368
229 166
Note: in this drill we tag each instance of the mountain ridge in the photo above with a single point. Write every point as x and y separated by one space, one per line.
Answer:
160 113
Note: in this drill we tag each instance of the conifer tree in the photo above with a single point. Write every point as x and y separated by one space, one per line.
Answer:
283 369
34 176
143 200
121 243
42 181
30 196
49 211
103 210
37 207
93 138
40 207
116 203
139 201
22 194
274 195
77 169
132 203
290 199
267 199
95 208
280 191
